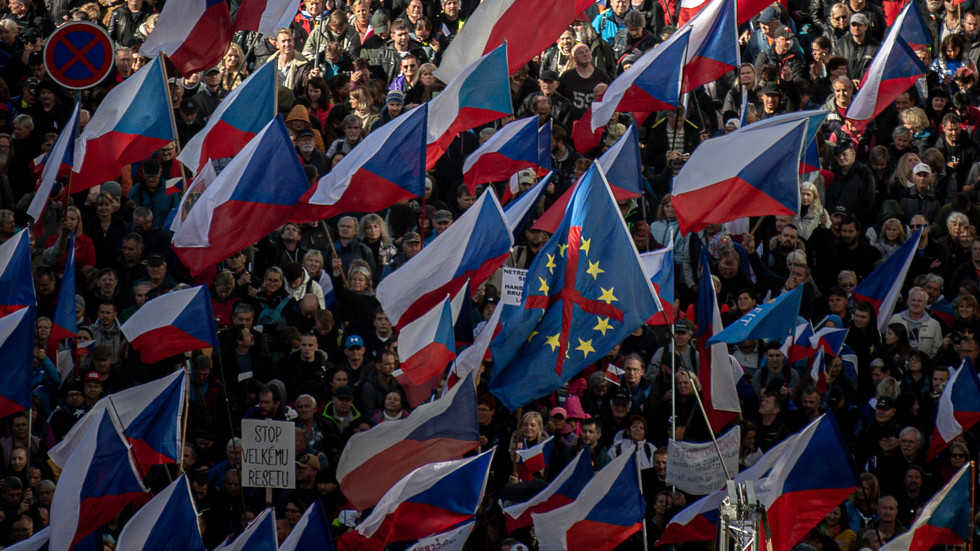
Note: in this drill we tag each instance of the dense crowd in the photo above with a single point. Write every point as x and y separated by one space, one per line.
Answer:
304 339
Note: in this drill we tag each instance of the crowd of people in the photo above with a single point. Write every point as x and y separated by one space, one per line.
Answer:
303 337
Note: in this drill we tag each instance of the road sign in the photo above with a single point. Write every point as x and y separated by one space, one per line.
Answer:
78 55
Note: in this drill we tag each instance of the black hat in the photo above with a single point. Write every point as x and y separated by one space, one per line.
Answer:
771 88
548 74
769 15
623 394
885 402
306 132
188 106
36 58
212 70
783 32
343 393
844 143
155 260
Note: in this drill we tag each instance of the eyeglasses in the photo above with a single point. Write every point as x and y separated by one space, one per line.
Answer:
957 456
410 66
840 18
916 226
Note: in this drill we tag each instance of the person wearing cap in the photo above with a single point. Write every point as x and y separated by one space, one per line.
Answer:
157 273
619 403
411 245
91 388
858 47
342 414
152 194
634 40
188 123
561 107
578 83
69 411
308 153
394 106
685 355
781 53
853 186
921 197
356 361
772 100
881 434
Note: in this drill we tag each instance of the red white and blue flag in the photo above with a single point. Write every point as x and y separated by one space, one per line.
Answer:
943 310
520 210
134 120
912 26
944 520
266 16
712 49
516 146
761 176
799 346
829 339
560 492
534 459
427 345
260 535
169 517
884 284
97 481
747 9
312 531
719 372
527 27
64 323
819 371
62 159
384 169
659 267
16 275
441 430
607 511
472 248
194 34
959 408
479 94
17 351
430 499
239 117
240 207
173 323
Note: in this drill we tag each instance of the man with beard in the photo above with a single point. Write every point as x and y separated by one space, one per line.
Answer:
970 31
308 153
561 107
850 253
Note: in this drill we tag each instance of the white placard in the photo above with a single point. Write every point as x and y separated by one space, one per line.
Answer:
452 540
694 467
513 286
268 454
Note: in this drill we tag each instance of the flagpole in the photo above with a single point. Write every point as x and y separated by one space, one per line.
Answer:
333 252
714 440
231 422
969 540
639 479
187 403
173 122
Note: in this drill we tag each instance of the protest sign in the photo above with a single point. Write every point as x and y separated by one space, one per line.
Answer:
268 454
695 468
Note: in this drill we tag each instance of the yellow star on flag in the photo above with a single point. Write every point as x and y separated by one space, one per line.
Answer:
544 286
552 341
551 264
594 270
603 325
585 347
607 295
533 333
561 249
585 246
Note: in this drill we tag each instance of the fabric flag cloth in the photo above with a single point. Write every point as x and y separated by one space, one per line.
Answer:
479 94
912 26
884 284
715 366
810 158
620 163
195 188
260 535
819 371
134 120
527 27
150 416
760 178
942 309
583 136
584 293
241 115
171 324
472 249
944 520
534 459
194 34
425 347
894 69
770 320
59 157
516 146
520 210
659 267
451 540
37 542
168 522
240 207
469 360
747 9
959 408
16 274
608 510
64 323
384 169
712 49
799 346
266 16
561 491
652 83
312 531
829 339
17 351
97 481
799 481
444 429
430 499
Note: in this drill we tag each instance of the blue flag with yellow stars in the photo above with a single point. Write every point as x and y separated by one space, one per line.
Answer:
584 293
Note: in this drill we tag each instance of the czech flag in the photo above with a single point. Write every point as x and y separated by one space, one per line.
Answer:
527 27
534 459
716 367
238 118
894 69
747 9
134 120
829 339
240 207
437 431
17 351
169 517
62 159
883 285
943 309
312 531
266 16
16 275
659 267
810 160
516 146
97 481
944 520
65 322
479 94
959 408
912 26
799 346
819 371
171 324
712 49
520 210
260 535
469 360
150 416
427 345
561 491
194 34
608 510
760 176
653 83
37 542
472 248
430 499
384 169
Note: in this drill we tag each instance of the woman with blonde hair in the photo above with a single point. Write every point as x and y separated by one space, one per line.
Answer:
901 179
360 17
232 68
891 237
373 232
862 506
531 432
917 121
812 214
56 254
362 105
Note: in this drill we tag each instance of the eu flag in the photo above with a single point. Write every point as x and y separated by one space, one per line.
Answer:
584 293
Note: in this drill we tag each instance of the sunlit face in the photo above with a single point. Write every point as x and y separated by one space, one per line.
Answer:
842 94
531 428
358 282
